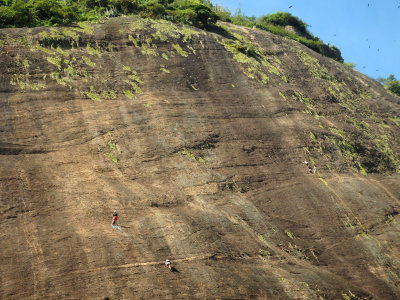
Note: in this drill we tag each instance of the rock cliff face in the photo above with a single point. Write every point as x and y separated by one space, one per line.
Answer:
197 139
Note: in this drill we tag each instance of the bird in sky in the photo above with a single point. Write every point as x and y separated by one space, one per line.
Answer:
290 6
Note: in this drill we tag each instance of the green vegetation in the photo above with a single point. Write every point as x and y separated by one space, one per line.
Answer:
111 145
149 49
146 34
312 136
367 150
283 24
55 38
22 80
92 94
111 94
19 13
391 84
255 64
129 94
283 280
148 105
366 142
94 51
179 49
111 156
164 69
69 64
113 150
88 61
349 296
390 219
303 99
282 95
199 13
313 65
350 65
192 156
132 82
264 253
284 19
290 234
395 120
193 12
21 77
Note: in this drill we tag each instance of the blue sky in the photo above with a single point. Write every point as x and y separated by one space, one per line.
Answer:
366 31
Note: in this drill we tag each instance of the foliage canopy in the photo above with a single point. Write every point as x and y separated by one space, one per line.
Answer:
19 13
391 84
284 19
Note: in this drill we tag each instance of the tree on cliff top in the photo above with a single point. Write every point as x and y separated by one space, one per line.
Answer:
194 12
20 13
284 19
391 84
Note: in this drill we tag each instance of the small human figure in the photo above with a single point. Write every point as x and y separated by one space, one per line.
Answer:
168 264
115 218
314 170
308 166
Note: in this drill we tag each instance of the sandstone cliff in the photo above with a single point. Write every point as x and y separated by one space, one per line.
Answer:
197 139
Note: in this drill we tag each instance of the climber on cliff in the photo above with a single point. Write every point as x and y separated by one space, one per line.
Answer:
115 218
168 264
308 166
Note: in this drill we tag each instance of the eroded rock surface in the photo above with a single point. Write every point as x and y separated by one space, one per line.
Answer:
197 139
